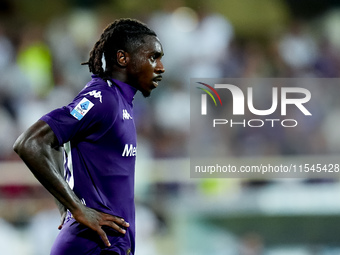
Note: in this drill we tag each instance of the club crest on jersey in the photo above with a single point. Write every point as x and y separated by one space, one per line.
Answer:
126 115
95 94
82 108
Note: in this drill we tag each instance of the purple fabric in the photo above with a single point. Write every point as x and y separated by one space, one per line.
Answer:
101 135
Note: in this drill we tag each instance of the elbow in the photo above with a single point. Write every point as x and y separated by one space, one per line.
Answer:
20 145
35 140
24 145
38 138
16 146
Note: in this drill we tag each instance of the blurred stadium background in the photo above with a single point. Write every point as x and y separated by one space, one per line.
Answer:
42 44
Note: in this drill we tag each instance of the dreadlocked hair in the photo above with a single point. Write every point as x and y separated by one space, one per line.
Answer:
122 34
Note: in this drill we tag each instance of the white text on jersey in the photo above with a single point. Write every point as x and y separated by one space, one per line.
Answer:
129 150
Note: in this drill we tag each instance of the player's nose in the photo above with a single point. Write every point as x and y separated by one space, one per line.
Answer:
159 68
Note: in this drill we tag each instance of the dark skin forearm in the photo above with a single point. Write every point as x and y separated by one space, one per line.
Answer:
38 147
58 155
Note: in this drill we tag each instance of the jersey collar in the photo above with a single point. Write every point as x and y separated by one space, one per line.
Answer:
127 90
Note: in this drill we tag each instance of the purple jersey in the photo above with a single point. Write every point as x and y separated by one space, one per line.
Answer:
98 133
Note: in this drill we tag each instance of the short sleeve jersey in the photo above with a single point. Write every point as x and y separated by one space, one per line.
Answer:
98 133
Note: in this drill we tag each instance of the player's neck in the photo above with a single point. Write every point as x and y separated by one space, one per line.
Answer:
119 76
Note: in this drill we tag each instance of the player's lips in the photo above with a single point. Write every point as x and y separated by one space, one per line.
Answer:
156 80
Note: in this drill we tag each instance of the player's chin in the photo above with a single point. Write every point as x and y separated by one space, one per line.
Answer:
146 93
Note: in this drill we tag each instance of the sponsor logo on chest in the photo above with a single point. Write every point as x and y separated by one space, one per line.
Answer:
129 150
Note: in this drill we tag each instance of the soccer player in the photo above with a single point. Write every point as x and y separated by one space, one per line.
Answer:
84 153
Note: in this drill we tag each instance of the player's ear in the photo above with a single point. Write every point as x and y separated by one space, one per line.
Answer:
122 58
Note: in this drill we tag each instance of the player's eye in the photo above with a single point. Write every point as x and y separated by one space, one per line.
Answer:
155 56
